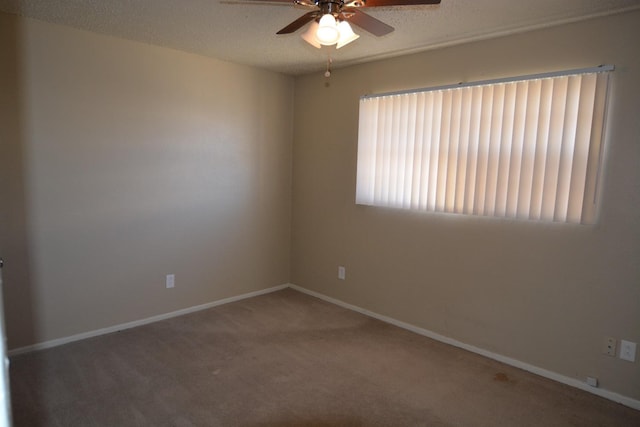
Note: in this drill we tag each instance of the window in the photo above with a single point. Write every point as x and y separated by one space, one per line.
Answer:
525 148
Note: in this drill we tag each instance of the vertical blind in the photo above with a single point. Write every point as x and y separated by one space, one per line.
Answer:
526 148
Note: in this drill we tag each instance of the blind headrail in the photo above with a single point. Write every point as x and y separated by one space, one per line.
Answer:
598 69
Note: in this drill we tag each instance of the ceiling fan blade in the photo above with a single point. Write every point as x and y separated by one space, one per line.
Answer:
263 1
255 3
368 22
299 23
382 3
350 3
305 3
299 4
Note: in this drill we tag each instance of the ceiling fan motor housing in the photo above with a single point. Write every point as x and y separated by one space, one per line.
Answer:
330 7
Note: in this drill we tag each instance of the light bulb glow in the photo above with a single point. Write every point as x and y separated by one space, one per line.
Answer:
327 33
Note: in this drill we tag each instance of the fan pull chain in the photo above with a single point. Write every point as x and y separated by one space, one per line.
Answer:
327 73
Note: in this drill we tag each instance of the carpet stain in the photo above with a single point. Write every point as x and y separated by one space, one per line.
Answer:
503 378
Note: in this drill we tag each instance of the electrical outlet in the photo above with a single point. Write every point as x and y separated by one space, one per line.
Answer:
170 281
592 381
609 347
628 350
342 272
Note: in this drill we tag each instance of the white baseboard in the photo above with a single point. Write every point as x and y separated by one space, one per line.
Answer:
610 395
129 325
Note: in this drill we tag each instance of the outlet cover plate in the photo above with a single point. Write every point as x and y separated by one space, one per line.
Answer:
170 281
627 351
609 347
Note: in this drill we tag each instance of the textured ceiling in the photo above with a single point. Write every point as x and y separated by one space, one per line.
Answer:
245 33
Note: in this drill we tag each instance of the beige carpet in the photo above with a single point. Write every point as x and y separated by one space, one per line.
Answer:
287 359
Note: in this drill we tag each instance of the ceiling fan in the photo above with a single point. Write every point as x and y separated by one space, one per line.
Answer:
330 19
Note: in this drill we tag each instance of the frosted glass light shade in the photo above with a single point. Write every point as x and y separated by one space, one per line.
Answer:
327 33
346 34
310 35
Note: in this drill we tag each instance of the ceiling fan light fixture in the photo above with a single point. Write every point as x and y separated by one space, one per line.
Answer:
310 35
346 34
327 33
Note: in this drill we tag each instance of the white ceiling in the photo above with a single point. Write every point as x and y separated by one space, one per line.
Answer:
246 33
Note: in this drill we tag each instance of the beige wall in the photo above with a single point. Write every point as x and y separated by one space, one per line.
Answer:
13 228
127 162
544 294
